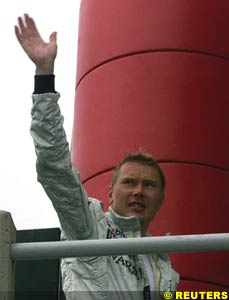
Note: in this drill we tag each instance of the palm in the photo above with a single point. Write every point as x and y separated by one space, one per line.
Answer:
40 52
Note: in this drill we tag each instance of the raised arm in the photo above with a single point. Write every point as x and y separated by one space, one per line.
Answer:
42 54
54 168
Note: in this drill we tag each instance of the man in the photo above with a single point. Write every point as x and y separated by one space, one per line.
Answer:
136 194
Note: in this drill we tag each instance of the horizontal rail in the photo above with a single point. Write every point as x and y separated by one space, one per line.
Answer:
121 246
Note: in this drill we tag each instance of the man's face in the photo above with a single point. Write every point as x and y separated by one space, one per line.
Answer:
137 192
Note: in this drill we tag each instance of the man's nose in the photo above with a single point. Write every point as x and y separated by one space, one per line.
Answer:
138 189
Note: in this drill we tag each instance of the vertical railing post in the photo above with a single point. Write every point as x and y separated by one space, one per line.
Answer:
7 266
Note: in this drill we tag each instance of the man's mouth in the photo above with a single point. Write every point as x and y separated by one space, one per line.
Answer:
137 206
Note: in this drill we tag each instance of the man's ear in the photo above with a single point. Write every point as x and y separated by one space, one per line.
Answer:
110 194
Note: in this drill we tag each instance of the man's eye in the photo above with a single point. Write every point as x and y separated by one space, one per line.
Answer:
128 181
150 184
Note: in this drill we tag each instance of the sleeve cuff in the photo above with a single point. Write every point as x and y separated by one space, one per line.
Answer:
44 84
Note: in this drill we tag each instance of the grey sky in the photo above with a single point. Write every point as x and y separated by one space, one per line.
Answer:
20 193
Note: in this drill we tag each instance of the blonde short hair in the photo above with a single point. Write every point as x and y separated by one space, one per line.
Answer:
141 158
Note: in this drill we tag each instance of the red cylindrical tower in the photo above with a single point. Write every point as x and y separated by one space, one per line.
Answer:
154 75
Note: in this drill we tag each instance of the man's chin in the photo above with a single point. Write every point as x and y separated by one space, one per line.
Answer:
137 214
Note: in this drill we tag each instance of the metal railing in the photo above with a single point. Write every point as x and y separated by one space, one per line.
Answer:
144 245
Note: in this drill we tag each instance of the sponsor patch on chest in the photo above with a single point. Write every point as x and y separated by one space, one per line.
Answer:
126 261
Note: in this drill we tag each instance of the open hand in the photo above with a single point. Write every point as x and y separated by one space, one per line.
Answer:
41 53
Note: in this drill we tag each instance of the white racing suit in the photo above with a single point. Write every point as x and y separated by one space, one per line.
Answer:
86 278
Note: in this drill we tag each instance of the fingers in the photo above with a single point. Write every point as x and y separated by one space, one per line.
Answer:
52 37
30 22
16 30
21 24
25 24
20 29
